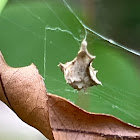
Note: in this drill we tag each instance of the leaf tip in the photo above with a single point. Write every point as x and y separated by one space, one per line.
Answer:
2 60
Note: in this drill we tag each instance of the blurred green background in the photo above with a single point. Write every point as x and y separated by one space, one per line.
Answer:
46 32
118 20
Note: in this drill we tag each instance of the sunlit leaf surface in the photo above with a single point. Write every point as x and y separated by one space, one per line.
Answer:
48 32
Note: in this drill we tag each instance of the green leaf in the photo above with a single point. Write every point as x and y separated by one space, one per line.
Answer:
2 4
49 32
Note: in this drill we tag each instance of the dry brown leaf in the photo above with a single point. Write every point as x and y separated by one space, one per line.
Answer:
69 122
23 90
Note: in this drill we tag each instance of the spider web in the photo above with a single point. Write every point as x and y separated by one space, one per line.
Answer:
111 98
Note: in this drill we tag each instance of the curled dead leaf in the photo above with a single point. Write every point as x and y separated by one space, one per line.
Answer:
79 72
23 90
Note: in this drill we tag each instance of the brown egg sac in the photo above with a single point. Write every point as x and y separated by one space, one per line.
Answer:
79 72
